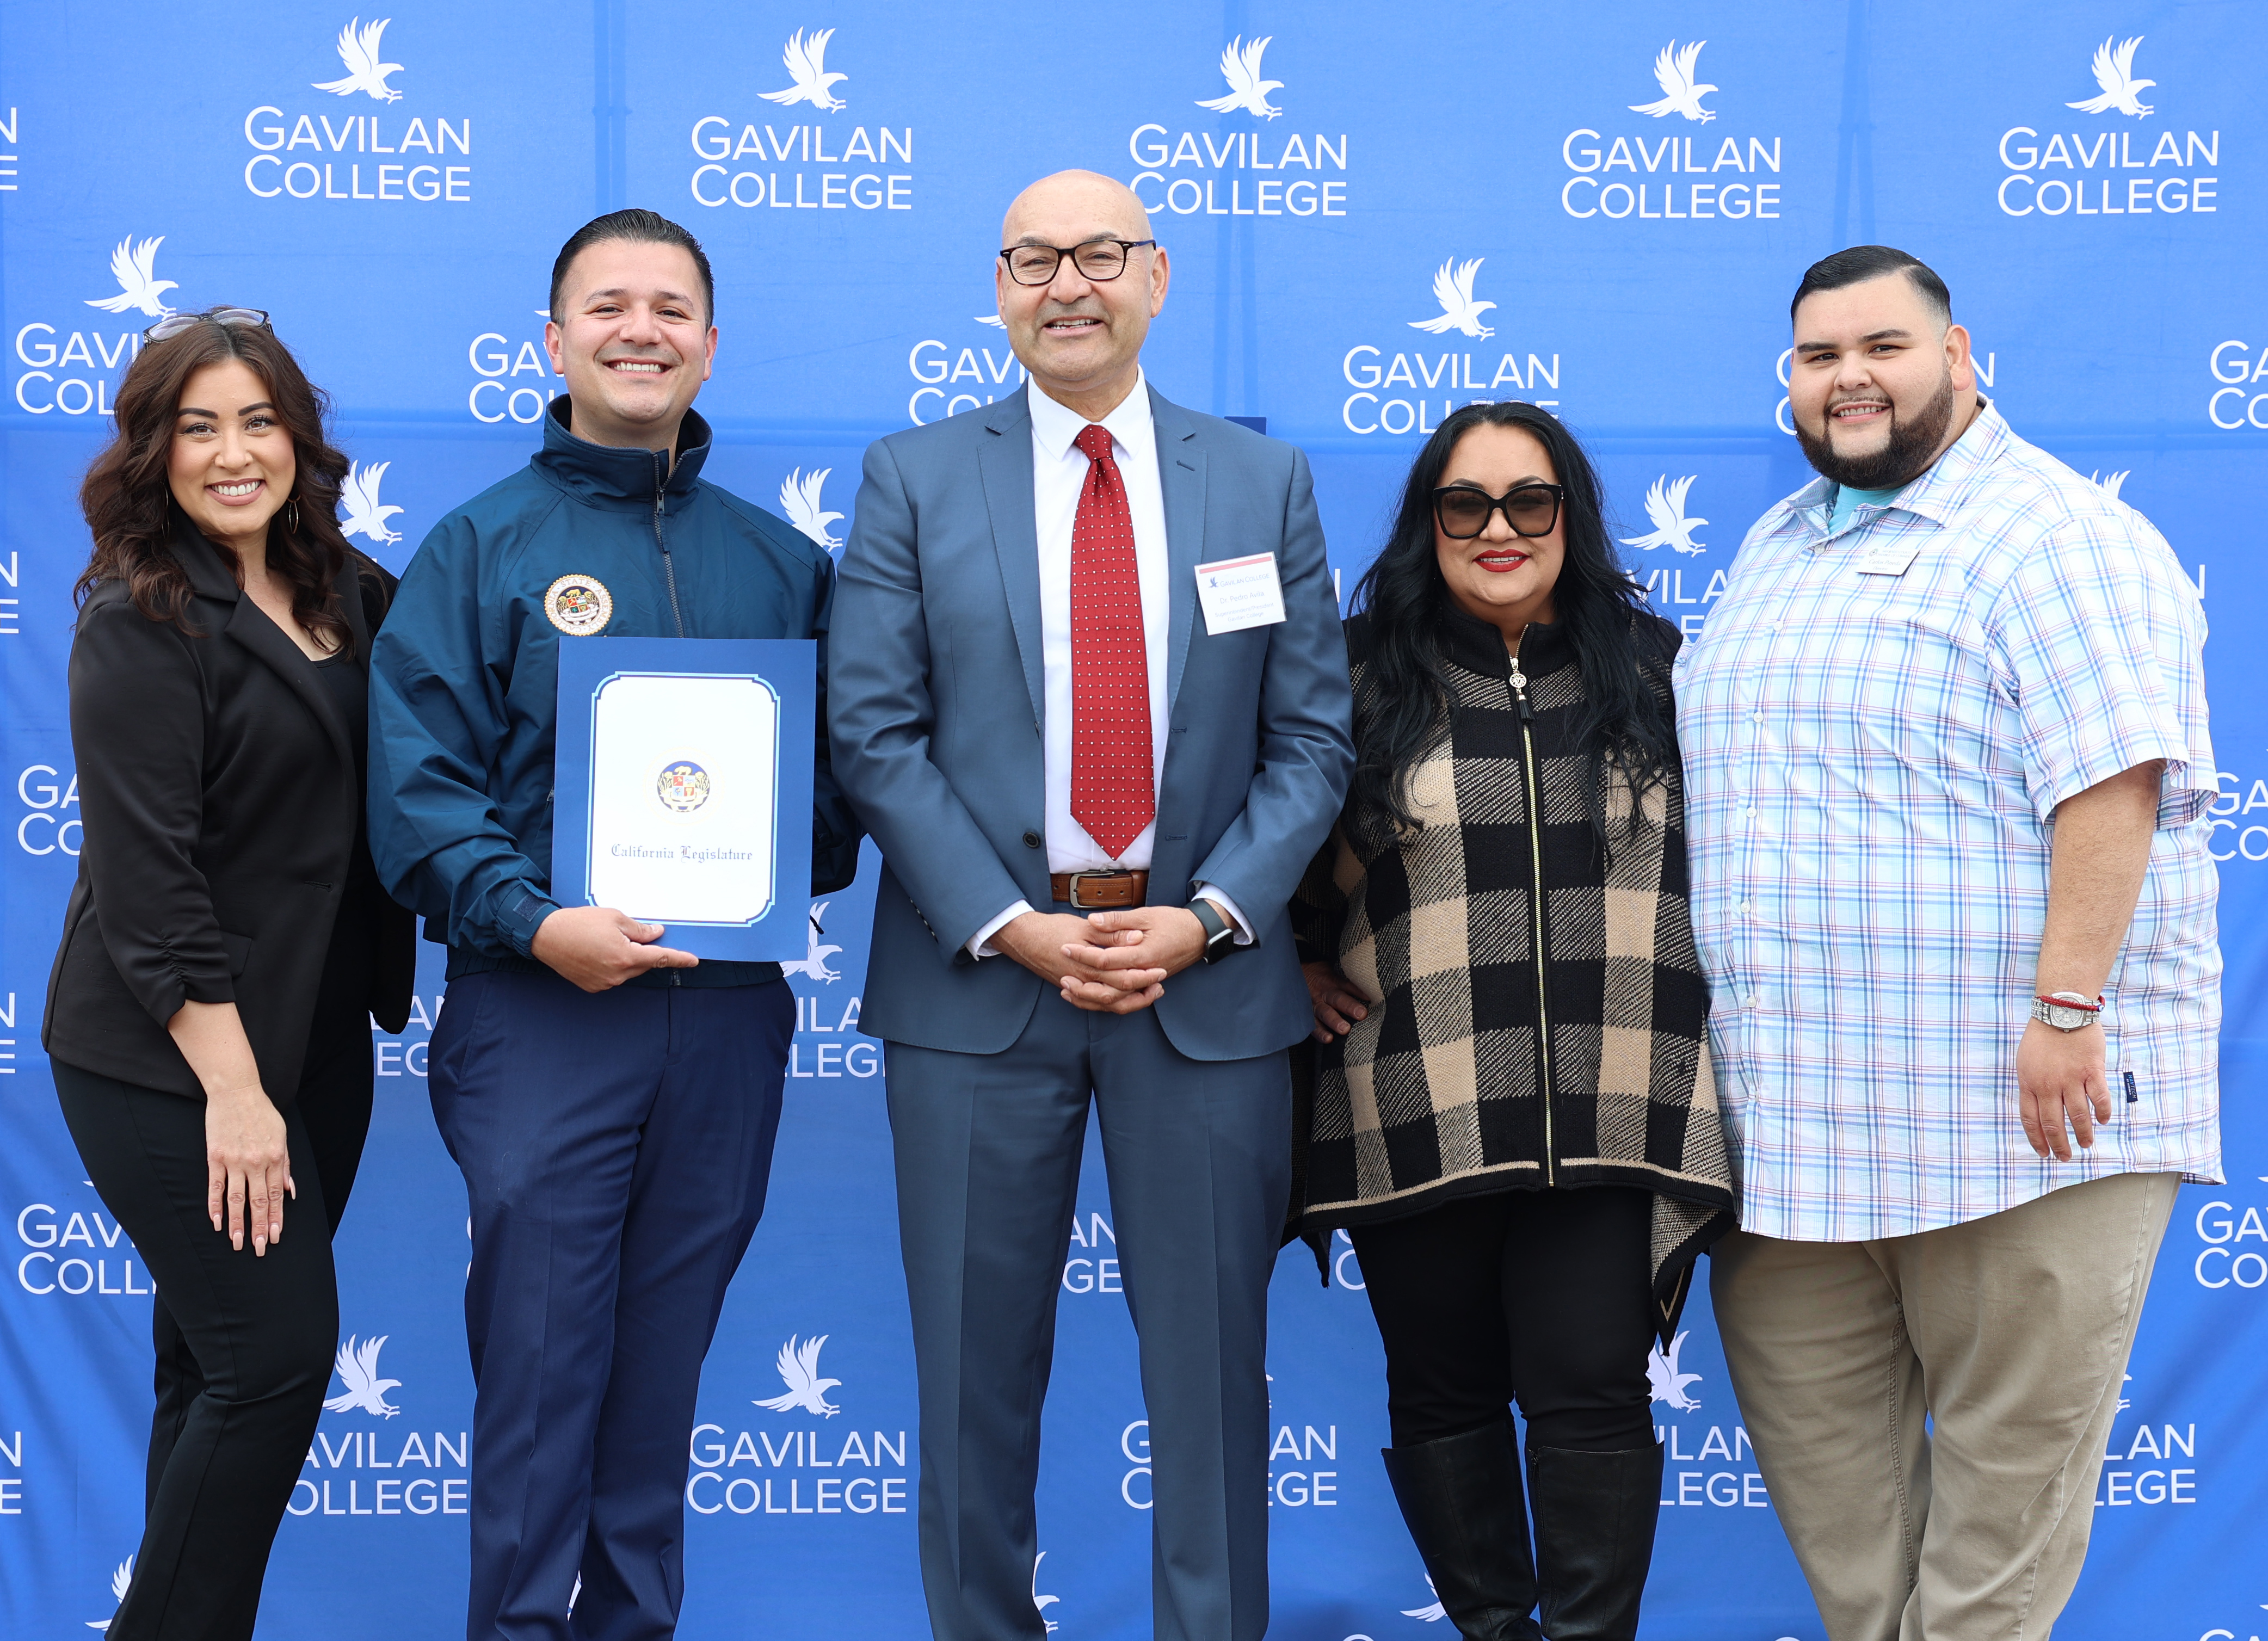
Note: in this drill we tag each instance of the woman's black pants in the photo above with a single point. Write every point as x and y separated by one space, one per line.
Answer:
1543 1298
244 1344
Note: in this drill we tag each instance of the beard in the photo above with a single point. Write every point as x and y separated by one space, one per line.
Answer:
1912 446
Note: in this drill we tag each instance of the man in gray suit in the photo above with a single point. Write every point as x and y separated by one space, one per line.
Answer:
1090 700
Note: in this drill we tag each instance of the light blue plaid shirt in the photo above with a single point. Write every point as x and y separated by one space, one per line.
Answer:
1877 727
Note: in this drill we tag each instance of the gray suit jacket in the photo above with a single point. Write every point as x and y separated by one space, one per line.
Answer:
935 704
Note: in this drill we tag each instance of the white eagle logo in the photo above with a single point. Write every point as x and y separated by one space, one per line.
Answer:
799 1370
364 514
1453 288
798 499
993 319
1673 71
2114 72
119 1579
1662 1371
358 50
1043 1602
135 267
1433 1615
1240 66
1665 506
813 962
2110 484
806 65
358 1368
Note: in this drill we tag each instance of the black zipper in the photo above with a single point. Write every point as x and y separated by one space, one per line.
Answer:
661 536
1536 858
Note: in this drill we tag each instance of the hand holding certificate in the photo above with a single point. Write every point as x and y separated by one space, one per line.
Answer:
683 786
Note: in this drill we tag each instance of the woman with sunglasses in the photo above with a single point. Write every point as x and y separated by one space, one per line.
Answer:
1513 1117
226 943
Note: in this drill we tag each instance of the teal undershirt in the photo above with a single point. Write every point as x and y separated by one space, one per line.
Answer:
1848 500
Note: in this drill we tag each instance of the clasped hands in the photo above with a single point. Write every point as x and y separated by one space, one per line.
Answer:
1113 962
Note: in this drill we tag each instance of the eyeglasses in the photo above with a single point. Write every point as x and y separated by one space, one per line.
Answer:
1463 513
1098 260
174 324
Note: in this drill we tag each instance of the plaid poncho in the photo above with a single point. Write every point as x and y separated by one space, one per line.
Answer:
1437 1094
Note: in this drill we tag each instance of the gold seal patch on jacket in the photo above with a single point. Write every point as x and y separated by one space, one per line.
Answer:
578 605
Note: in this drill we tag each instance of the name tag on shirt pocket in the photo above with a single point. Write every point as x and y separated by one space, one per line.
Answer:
1889 559
1240 592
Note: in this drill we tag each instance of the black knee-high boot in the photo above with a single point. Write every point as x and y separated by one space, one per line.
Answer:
1461 1498
1596 1514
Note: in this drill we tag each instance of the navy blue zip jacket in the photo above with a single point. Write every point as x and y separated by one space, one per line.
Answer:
585 539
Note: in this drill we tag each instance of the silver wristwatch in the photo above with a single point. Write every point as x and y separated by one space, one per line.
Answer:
2066 1011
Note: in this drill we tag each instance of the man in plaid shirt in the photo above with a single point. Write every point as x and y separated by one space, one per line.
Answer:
1946 766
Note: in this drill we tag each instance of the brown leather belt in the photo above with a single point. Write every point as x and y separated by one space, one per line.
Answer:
1100 891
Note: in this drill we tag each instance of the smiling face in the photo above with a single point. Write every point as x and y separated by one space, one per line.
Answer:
633 339
231 465
1081 339
1879 385
1503 578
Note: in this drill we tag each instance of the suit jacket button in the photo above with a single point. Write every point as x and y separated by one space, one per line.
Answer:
1031 840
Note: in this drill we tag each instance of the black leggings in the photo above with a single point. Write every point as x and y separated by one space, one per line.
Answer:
244 1344
1541 1297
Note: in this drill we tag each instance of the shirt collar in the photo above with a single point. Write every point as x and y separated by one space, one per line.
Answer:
1935 493
1054 426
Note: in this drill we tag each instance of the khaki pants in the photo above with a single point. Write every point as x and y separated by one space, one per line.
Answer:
2009 1334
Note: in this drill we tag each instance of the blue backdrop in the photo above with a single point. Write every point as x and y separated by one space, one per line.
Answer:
1602 239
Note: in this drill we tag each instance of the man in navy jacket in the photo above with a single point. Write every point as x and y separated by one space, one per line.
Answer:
611 1101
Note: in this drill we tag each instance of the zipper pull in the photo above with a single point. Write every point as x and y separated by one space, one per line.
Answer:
1520 692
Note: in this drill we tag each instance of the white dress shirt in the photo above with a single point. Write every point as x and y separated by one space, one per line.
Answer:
1059 470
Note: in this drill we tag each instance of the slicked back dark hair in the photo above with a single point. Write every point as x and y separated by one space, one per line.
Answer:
640 227
1862 262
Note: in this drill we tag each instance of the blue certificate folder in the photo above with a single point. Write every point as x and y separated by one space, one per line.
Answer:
682 794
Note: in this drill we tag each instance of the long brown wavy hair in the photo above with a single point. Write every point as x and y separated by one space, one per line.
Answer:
129 501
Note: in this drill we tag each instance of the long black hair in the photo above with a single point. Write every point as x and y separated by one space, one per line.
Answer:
1624 718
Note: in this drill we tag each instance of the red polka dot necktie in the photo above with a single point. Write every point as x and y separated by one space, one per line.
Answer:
1112 791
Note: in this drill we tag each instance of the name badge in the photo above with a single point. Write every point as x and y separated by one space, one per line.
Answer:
1240 592
1889 559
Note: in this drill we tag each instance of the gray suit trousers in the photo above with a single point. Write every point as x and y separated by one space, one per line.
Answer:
988 1159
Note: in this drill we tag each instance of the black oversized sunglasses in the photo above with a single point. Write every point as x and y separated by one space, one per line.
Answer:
1462 511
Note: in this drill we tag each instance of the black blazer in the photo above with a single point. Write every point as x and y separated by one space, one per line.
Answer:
219 802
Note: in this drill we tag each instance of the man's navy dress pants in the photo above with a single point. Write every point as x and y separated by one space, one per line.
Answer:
616 1150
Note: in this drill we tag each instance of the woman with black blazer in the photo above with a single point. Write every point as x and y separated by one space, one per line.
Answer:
227 942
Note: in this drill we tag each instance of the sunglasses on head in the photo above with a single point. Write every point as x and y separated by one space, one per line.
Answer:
174 324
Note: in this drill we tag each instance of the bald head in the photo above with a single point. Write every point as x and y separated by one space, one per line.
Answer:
1079 337
1108 205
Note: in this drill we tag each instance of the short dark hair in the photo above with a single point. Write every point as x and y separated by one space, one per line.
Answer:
643 227
1862 262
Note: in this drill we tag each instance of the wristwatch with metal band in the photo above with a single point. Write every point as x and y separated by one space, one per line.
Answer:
2066 1011
1221 939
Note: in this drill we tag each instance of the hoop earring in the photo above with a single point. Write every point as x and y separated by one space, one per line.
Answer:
291 516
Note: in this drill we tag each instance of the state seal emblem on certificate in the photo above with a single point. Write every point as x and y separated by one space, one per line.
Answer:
682 790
